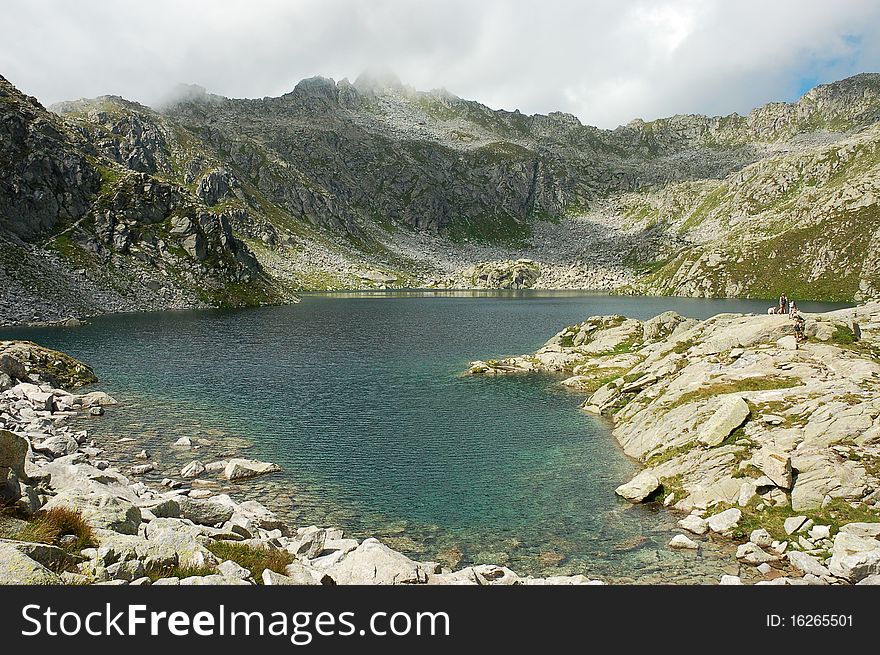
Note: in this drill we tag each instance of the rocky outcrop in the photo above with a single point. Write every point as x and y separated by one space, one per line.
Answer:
731 422
24 361
19 569
87 229
819 222
520 274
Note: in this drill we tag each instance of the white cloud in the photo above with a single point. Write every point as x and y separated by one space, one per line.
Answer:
606 61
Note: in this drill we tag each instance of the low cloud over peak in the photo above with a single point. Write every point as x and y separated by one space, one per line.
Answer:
606 61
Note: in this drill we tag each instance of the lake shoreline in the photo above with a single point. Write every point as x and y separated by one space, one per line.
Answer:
183 534
78 319
724 566
732 419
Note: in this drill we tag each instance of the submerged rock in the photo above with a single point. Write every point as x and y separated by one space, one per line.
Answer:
241 469
192 470
682 542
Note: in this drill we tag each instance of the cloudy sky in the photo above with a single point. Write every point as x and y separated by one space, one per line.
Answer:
605 61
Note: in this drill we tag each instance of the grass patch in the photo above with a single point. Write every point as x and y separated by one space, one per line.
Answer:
737 435
622 348
871 463
740 386
672 485
255 560
683 346
670 453
622 401
747 471
598 379
498 228
843 336
70 250
240 294
49 526
837 513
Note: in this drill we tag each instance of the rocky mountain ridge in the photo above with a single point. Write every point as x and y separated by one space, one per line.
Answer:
340 185
80 234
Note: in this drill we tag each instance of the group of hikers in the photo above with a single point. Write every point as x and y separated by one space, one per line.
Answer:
785 306
790 307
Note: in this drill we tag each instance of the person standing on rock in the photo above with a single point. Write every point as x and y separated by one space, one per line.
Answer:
793 308
799 333
783 304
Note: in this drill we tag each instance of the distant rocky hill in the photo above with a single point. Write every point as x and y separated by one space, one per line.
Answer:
82 234
106 204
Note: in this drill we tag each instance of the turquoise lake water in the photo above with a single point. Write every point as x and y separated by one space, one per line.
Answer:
360 398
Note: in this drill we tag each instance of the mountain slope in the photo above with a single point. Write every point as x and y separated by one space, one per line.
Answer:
80 234
372 184
807 223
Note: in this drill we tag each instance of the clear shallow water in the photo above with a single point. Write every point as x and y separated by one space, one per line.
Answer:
360 398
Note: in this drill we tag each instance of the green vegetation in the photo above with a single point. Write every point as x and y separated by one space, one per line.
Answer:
499 228
683 346
70 250
748 470
240 294
110 180
780 254
598 378
672 485
836 513
254 559
670 453
843 336
739 434
709 204
621 401
738 386
624 347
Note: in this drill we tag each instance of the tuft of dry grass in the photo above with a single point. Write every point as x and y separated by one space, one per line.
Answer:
49 526
255 560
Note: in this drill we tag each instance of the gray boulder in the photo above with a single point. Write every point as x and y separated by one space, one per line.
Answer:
16 568
241 469
724 521
854 558
375 563
731 413
13 368
862 529
204 512
192 470
309 542
13 451
807 564
640 487
100 508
